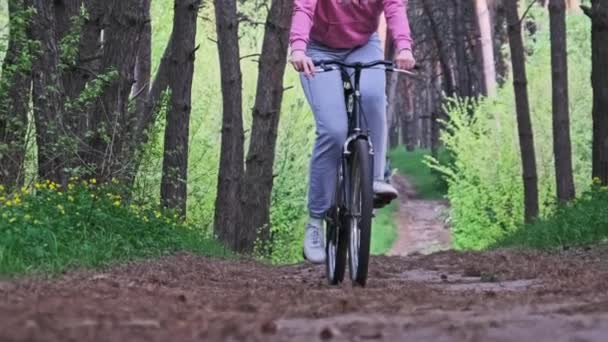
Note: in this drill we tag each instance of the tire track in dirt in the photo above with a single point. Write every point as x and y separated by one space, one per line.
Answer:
421 226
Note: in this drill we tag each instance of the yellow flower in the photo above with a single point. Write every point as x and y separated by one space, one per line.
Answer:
53 186
17 200
9 203
70 186
157 214
2 198
39 186
70 198
24 190
93 181
114 180
117 204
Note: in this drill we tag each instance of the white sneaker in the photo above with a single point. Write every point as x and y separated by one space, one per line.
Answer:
314 245
385 191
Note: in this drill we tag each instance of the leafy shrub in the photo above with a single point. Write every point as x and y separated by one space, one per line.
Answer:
50 228
485 182
581 222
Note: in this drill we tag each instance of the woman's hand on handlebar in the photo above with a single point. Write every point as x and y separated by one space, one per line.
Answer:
405 60
302 63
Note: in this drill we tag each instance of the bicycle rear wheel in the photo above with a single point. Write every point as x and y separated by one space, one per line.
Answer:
361 200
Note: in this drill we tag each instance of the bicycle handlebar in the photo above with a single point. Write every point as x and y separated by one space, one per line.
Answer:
329 65
372 64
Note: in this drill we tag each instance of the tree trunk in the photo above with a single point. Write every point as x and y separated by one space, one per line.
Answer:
260 157
442 50
524 123
15 91
124 24
143 68
173 191
561 122
78 68
67 14
48 94
393 93
230 175
598 12
462 66
486 47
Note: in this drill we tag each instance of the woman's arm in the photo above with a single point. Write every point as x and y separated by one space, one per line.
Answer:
303 12
398 24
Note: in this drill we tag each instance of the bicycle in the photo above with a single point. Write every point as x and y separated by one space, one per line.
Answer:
349 220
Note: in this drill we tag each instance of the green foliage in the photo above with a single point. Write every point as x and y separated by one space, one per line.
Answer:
485 182
384 229
69 46
428 183
288 212
23 62
49 228
582 222
93 90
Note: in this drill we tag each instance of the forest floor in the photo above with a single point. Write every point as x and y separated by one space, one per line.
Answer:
502 295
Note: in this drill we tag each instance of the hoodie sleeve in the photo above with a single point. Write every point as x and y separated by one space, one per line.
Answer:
303 12
395 12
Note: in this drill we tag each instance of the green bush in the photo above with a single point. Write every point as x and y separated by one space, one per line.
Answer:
49 229
485 182
582 222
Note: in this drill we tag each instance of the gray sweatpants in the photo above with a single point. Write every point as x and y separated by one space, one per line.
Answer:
325 95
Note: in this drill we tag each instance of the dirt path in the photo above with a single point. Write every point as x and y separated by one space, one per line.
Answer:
421 223
446 296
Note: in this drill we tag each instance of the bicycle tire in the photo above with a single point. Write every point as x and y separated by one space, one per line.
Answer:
361 207
336 247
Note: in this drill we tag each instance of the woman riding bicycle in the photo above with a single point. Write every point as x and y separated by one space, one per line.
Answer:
343 30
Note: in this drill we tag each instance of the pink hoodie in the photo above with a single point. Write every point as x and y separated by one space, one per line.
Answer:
344 24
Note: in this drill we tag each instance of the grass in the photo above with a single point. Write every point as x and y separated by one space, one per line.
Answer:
384 229
582 222
50 230
411 164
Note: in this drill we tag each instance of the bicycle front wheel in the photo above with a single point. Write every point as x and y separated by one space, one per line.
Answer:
361 204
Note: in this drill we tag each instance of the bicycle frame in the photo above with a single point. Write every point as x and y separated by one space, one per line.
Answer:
350 215
352 96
